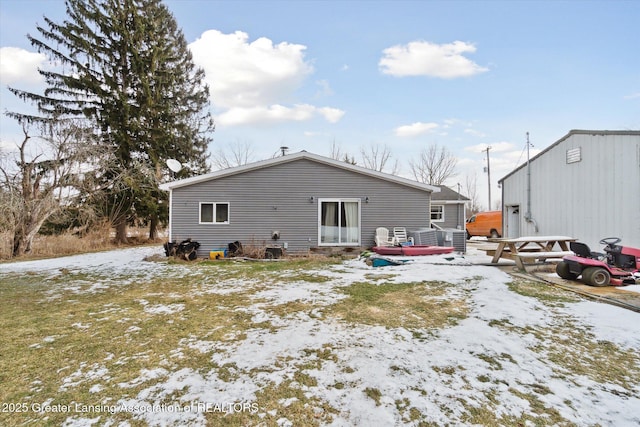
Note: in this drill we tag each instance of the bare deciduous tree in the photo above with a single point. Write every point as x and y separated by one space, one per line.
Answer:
337 154
471 189
336 151
126 66
377 158
34 185
434 166
236 154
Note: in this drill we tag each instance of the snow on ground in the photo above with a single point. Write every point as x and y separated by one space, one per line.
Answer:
633 288
440 375
121 261
116 267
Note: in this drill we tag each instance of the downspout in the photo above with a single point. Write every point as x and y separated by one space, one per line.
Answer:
528 216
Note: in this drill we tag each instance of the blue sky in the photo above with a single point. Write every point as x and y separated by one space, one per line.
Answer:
400 74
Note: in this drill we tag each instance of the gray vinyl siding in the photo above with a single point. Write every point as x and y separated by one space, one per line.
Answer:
278 198
453 215
597 197
454 207
456 216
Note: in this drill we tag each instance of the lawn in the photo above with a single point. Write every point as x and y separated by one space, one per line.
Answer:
113 339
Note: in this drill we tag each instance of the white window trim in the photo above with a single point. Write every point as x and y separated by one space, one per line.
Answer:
340 200
214 213
433 205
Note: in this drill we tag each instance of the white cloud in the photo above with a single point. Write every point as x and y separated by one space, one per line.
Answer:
277 113
324 88
415 129
632 96
20 66
422 58
519 156
496 147
251 82
474 132
244 74
504 158
332 115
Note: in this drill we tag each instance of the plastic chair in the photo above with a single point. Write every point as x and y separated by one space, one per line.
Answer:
400 236
382 237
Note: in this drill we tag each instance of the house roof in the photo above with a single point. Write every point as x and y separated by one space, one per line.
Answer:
293 157
564 138
449 195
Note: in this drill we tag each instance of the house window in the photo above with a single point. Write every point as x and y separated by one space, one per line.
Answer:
339 222
214 213
437 213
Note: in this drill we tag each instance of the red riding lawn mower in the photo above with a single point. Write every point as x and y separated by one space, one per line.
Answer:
618 266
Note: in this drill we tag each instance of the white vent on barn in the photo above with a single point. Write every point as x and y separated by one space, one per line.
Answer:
574 155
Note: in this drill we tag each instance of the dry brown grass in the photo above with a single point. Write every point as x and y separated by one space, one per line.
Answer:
414 306
63 343
254 249
97 239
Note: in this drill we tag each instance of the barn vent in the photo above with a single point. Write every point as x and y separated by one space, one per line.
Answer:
574 155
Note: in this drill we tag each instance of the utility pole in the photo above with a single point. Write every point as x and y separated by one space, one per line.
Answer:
488 171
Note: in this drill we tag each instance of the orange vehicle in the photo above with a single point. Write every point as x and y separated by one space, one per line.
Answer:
487 224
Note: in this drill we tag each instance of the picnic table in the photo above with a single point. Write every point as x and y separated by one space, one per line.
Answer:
531 248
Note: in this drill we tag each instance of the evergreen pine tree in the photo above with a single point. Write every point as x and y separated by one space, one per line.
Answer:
125 65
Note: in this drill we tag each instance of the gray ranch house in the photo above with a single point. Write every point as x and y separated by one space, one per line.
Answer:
301 202
448 209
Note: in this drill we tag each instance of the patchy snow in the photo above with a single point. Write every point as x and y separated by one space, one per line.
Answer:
123 261
440 374
609 323
632 288
83 374
97 388
83 422
625 287
145 375
81 326
161 308
164 308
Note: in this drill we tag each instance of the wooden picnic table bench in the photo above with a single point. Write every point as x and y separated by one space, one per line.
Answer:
539 256
531 248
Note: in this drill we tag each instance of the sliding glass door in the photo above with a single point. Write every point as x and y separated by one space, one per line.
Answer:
339 222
